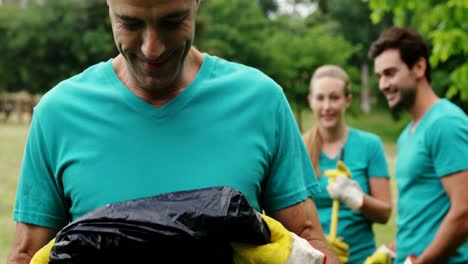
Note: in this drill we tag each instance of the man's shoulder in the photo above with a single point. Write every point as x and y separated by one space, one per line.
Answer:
444 113
61 92
94 73
241 73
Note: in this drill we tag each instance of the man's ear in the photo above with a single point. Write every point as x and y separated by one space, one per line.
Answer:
419 68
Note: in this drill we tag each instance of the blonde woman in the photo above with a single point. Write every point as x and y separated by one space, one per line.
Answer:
365 198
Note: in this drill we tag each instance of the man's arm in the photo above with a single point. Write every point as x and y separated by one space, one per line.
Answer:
303 220
454 228
27 241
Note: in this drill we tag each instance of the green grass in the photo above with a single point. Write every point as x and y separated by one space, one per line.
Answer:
385 233
12 139
13 136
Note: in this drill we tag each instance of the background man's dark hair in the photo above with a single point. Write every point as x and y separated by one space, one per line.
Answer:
410 44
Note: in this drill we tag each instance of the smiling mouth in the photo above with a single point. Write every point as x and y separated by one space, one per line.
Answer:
155 65
391 94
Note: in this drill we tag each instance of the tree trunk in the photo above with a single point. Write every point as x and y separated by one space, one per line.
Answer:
365 93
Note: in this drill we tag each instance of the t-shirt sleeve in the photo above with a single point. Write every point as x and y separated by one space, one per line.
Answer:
378 166
448 140
39 200
291 178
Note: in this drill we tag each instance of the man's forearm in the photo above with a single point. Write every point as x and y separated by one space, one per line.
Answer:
18 258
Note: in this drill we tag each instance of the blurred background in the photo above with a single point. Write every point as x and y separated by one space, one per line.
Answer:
45 41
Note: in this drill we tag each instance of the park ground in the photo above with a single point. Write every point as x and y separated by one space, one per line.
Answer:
13 135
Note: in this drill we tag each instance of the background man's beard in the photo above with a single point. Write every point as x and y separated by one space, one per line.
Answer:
406 102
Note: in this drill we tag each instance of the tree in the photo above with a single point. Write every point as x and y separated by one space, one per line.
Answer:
234 30
268 6
297 47
49 42
445 24
287 48
348 14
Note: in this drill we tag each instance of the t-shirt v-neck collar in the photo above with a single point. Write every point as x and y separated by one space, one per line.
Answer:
173 106
421 121
340 154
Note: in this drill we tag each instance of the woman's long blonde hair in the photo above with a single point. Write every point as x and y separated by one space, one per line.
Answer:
312 138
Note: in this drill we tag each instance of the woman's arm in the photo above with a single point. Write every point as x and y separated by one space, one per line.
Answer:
377 206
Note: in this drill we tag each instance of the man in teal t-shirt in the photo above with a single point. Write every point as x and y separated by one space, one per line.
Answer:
432 162
161 117
110 145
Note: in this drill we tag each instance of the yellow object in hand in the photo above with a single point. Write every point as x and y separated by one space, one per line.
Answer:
42 255
340 248
275 252
379 258
341 170
383 255
285 247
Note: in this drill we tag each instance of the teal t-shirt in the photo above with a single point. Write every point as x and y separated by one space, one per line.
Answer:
93 142
437 147
364 156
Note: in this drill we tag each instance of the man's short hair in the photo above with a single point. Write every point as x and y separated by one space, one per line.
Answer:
410 44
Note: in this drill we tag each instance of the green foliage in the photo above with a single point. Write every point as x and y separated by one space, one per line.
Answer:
445 24
308 47
233 30
47 43
287 48
355 24
50 42
268 6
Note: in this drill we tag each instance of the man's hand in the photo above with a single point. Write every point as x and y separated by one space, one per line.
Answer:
285 247
302 219
383 255
340 248
347 191
410 260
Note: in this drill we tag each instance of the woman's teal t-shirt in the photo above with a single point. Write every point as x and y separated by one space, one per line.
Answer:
363 154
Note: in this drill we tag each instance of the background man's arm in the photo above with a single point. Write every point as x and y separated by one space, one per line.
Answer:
303 220
27 241
454 228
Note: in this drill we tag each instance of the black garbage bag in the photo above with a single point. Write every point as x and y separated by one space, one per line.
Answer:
194 226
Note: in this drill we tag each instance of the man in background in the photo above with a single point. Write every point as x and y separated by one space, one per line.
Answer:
432 160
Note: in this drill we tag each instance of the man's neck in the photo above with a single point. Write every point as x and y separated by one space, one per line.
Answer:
425 99
192 65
